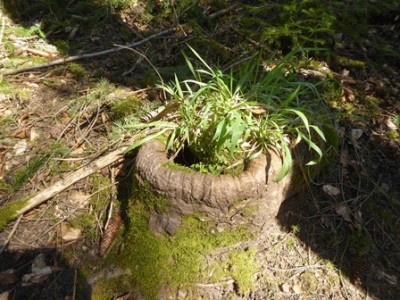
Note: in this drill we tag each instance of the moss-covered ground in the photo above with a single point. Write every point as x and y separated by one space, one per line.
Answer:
55 120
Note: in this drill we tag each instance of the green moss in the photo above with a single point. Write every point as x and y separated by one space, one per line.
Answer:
310 282
351 63
62 46
77 70
125 107
160 262
6 88
392 135
243 267
174 166
9 211
144 194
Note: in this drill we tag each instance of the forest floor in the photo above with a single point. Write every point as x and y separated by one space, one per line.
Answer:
337 239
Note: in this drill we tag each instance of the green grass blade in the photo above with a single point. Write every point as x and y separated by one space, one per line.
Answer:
144 140
287 162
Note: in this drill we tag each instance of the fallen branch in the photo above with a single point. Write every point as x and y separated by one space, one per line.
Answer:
85 56
15 209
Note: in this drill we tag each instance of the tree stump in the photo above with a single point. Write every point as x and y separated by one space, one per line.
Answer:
251 198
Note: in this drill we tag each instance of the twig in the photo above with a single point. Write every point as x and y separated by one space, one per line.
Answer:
3 23
86 55
69 180
11 234
222 12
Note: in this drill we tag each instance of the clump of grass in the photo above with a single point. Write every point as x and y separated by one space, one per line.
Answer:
225 118
24 173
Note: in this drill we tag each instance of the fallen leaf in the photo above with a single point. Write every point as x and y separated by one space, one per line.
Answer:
331 190
77 152
356 133
40 270
348 95
389 123
357 219
69 233
285 288
297 289
392 279
20 134
5 295
79 199
258 112
343 211
33 135
20 147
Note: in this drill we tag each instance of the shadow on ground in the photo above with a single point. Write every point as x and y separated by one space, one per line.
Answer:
362 239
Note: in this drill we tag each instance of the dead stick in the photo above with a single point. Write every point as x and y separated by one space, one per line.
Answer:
72 178
85 56
12 211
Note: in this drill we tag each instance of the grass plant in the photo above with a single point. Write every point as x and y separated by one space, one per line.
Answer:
224 118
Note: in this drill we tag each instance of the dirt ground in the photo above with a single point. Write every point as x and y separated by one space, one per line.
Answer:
337 239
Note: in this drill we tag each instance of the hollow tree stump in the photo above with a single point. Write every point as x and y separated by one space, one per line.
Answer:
250 198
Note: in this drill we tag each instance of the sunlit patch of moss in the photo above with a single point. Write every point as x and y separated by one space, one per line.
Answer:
332 91
63 46
6 87
77 70
21 31
108 288
392 135
179 167
143 193
310 282
8 212
243 267
373 104
125 107
160 262
351 63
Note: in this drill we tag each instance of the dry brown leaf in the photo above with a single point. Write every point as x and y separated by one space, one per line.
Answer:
33 135
5 295
20 147
20 134
356 133
40 270
297 289
343 211
258 112
79 199
69 233
389 123
348 95
357 220
77 152
331 190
